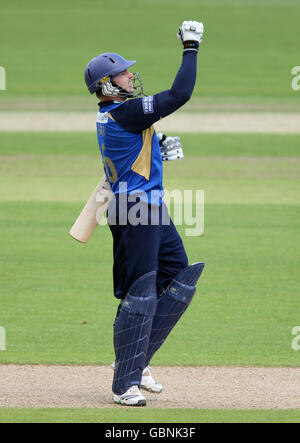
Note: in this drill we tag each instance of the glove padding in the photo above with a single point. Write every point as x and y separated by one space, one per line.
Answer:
191 34
170 147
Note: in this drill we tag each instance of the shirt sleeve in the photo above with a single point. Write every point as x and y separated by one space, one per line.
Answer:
138 114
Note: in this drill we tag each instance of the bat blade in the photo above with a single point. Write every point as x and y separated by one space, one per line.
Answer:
92 212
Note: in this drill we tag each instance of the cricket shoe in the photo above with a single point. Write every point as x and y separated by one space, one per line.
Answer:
148 383
132 397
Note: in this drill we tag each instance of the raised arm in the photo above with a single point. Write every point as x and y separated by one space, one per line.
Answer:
138 114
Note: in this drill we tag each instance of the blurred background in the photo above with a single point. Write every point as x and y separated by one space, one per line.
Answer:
249 49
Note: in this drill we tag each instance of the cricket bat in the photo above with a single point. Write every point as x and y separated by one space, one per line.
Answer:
93 211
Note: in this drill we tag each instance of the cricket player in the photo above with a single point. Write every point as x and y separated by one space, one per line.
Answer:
152 277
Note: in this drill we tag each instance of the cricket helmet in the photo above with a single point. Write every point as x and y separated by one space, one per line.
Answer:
100 71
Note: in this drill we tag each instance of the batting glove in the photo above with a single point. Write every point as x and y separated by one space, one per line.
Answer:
170 147
191 34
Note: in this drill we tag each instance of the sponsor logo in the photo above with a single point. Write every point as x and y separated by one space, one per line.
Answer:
102 117
148 105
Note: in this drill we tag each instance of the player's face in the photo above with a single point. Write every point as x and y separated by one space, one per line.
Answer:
124 80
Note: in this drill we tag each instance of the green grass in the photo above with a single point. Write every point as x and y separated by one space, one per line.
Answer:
127 415
225 145
56 295
248 51
65 167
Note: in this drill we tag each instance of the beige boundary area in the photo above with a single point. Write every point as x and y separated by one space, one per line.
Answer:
193 122
42 386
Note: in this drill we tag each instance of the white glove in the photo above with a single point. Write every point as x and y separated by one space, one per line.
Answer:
170 147
191 34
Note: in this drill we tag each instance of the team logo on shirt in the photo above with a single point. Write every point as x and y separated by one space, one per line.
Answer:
148 105
102 117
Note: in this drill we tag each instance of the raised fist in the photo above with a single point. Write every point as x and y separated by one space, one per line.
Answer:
190 34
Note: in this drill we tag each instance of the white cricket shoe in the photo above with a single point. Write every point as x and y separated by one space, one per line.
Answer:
148 383
132 397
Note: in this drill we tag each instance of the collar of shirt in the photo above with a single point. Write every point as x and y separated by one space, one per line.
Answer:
107 103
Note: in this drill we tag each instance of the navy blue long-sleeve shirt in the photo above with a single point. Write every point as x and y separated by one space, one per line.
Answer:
138 114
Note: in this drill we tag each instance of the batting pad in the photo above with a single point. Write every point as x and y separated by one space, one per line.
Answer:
172 305
132 333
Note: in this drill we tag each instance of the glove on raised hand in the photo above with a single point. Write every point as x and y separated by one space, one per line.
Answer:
191 34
